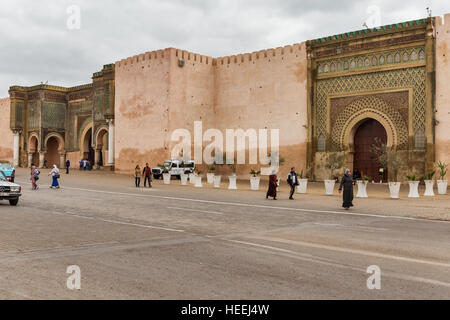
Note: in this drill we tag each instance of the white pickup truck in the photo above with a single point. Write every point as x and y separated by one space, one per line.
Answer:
9 191
175 168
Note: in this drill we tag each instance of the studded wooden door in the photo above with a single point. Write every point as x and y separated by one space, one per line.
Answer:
365 158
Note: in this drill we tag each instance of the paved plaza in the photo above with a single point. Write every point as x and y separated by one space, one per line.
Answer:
174 242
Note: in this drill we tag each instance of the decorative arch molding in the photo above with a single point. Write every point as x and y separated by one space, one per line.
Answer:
369 107
38 145
58 137
98 131
348 135
84 131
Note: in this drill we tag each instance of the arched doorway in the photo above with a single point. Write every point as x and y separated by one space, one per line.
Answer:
365 160
53 146
88 149
33 151
101 147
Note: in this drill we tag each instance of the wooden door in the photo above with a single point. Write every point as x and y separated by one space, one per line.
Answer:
366 160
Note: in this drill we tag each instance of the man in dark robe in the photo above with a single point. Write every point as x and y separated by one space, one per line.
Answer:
272 192
347 185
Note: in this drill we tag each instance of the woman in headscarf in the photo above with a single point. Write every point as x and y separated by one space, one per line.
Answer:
55 176
272 192
34 177
347 185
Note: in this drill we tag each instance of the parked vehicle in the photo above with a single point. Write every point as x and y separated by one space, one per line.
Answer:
8 169
9 191
174 168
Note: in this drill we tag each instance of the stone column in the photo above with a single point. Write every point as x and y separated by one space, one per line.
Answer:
110 143
97 157
16 147
41 159
62 160
30 159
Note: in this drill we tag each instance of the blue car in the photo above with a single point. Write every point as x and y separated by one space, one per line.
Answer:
9 170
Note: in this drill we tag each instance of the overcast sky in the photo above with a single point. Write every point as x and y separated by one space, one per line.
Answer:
36 44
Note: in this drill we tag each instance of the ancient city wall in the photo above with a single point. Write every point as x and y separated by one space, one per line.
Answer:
266 90
154 97
442 89
6 135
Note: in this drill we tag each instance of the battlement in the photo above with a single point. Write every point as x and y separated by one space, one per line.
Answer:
150 55
257 55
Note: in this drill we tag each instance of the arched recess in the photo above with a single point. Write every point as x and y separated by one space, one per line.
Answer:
54 149
86 144
33 149
101 145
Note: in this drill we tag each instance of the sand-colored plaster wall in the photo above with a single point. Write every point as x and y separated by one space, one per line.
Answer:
6 135
266 90
442 89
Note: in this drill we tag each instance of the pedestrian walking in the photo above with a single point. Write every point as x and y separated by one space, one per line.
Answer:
55 176
81 164
67 166
292 182
347 184
137 176
34 177
147 173
272 192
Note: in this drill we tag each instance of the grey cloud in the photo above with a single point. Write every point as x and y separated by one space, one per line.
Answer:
37 46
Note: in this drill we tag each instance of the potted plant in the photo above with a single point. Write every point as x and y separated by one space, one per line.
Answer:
442 184
390 159
413 186
166 175
198 179
233 178
302 183
255 179
429 184
362 186
210 174
184 179
335 161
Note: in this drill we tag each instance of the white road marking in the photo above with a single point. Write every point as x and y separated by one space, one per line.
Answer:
299 256
355 251
115 221
365 228
262 206
195 210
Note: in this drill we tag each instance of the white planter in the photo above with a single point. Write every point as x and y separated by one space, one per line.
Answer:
429 188
394 189
184 179
167 177
442 186
254 183
232 185
362 189
413 189
198 182
302 186
192 178
329 187
217 180
210 178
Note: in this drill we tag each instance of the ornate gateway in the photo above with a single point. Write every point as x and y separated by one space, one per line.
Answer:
383 75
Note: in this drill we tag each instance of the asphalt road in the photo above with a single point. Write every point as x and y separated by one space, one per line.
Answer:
173 242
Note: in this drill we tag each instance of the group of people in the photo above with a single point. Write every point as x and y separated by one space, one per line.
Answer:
146 173
85 164
347 183
35 173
